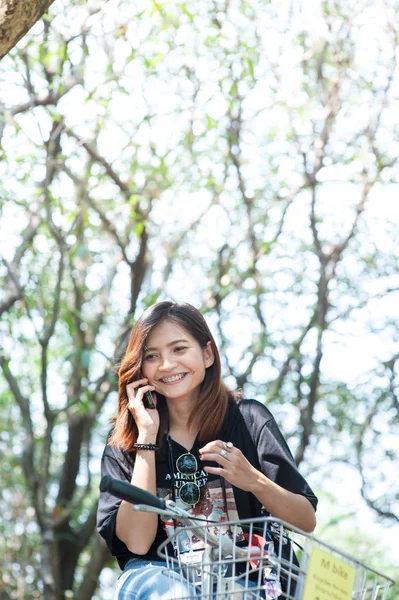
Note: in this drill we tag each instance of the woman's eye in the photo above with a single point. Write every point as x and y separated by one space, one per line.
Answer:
180 348
149 356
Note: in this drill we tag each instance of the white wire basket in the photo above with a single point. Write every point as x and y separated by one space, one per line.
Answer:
264 562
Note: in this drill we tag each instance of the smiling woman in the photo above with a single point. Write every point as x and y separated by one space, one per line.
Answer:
203 445
171 340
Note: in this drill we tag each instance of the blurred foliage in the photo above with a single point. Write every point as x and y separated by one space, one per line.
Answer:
240 156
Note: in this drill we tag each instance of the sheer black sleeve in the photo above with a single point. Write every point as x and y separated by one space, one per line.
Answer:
274 456
115 463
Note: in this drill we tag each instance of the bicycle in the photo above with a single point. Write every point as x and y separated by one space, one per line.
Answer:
253 559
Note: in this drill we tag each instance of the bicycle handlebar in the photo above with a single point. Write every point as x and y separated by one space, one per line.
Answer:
130 493
134 495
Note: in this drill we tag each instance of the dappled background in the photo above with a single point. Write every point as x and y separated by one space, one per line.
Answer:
241 156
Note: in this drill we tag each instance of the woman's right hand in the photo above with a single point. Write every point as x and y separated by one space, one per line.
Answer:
147 419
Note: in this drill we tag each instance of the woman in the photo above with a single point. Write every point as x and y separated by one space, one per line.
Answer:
217 454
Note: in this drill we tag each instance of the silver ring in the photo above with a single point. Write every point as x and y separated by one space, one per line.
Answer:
230 445
223 453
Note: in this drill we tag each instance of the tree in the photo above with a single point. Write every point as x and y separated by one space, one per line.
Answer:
164 152
16 18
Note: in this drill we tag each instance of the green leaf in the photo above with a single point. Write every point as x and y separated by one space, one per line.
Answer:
85 358
139 229
185 10
210 123
251 68
133 199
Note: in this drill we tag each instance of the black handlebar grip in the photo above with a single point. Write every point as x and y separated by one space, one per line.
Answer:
130 493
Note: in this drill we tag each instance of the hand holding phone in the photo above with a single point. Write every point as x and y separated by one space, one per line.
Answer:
148 399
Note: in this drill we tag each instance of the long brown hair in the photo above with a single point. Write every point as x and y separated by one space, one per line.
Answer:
213 399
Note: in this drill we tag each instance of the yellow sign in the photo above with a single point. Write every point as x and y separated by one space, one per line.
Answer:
328 578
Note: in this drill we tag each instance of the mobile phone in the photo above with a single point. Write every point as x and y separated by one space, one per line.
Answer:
148 400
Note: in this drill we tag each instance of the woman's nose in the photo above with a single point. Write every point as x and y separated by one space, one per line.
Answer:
167 363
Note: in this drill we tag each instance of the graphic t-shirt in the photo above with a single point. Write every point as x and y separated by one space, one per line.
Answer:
250 426
216 504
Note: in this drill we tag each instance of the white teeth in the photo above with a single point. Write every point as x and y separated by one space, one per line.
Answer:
172 379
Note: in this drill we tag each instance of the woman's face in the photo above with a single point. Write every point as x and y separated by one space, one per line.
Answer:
174 362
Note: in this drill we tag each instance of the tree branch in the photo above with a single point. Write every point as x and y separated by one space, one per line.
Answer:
278 382
15 289
95 156
373 504
172 247
98 559
307 413
28 455
16 18
362 304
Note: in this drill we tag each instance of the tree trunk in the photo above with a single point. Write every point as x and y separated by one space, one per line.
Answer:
99 557
48 562
16 18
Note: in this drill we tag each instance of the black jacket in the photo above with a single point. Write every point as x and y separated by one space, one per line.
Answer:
250 426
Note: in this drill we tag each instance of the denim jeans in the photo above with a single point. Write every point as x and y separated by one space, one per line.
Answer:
149 580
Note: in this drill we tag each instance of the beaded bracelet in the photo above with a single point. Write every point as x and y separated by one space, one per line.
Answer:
146 447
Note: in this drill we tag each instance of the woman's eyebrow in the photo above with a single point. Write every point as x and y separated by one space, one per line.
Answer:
170 344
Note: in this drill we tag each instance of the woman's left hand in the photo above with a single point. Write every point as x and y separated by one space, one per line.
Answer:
234 467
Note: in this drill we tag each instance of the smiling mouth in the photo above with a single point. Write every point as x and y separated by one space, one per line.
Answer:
173 378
